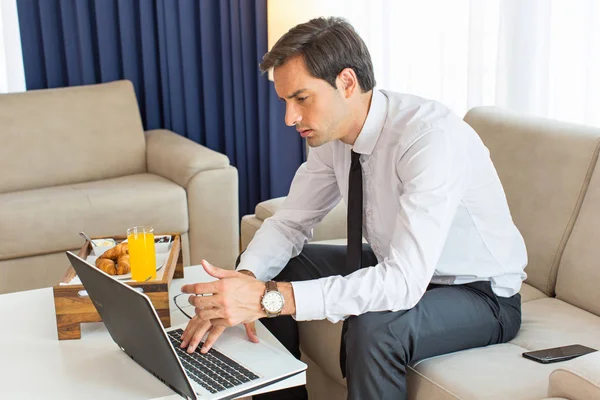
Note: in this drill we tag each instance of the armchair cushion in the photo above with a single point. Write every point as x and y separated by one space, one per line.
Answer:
177 158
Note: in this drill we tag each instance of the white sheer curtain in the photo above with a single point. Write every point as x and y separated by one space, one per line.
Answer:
12 75
539 57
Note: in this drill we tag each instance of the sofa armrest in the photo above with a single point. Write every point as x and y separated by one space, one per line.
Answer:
213 208
177 158
578 379
333 225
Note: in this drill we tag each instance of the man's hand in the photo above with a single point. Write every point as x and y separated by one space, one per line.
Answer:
195 331
250 326
233 299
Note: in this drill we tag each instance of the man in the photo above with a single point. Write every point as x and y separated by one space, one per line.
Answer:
444 263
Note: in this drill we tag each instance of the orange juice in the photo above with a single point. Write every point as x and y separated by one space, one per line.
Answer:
142 253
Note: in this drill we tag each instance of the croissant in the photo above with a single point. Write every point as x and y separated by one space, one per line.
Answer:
124 249
115 252
123 265
106 265
112 253
119 255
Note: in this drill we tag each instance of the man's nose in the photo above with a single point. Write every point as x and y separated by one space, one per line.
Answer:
292 116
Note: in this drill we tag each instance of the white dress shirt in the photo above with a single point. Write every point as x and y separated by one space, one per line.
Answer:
434 210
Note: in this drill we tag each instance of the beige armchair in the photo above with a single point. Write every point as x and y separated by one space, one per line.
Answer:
77 158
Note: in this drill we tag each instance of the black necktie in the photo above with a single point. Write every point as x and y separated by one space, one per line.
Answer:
354 247
355 208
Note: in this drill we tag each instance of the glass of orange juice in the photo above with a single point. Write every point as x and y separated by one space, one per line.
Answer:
142 253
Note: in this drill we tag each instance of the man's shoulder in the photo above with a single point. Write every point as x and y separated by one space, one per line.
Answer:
408 110
410 117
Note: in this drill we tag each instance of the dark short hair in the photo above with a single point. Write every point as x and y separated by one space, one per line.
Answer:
328 45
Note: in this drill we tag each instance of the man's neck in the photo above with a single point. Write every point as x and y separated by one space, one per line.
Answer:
361 111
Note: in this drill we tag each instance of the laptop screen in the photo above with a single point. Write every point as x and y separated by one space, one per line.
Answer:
133 324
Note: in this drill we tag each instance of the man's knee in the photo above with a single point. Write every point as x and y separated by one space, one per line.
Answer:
369 337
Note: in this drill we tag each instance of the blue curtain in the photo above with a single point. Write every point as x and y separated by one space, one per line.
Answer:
194 65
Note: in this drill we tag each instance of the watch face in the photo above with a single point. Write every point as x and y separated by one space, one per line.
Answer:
273 302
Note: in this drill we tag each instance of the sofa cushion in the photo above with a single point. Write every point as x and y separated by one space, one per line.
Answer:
551 322
578 279
46 133
48 220
497 372
531 155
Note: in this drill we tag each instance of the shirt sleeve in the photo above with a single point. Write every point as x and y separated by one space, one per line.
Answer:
313 193
434 174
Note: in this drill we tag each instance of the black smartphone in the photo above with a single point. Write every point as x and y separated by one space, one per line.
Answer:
557 354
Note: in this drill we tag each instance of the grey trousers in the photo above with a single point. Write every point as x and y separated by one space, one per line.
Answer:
379 346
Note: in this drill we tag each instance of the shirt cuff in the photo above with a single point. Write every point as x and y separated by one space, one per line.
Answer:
253 264
310 303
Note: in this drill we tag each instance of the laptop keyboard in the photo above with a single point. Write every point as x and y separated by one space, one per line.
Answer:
214 371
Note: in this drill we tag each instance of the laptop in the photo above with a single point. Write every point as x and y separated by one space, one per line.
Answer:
232 368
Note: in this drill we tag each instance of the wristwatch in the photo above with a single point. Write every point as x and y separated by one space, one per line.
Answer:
272 301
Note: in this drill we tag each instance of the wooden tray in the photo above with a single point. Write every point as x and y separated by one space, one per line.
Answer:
72 309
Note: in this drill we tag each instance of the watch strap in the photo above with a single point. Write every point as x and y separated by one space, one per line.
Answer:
272 286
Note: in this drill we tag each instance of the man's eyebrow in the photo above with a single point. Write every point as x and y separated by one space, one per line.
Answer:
296 93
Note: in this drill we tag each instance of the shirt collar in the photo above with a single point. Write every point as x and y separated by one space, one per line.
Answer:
368 136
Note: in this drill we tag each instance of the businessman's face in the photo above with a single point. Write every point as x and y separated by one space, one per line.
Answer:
317 110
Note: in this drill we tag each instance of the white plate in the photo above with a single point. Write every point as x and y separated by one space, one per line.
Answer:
161 260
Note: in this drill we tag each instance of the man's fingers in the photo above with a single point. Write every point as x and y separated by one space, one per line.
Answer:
204 301
251 332
199 288
213 335
198 335
189 331
217 272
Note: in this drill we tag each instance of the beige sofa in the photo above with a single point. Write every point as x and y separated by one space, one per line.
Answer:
78 159
551 177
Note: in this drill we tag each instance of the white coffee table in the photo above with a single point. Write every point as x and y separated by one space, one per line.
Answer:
35 364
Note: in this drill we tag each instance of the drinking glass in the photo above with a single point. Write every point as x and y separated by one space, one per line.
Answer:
142 253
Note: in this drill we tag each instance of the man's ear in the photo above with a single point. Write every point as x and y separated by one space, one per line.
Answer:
347 82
